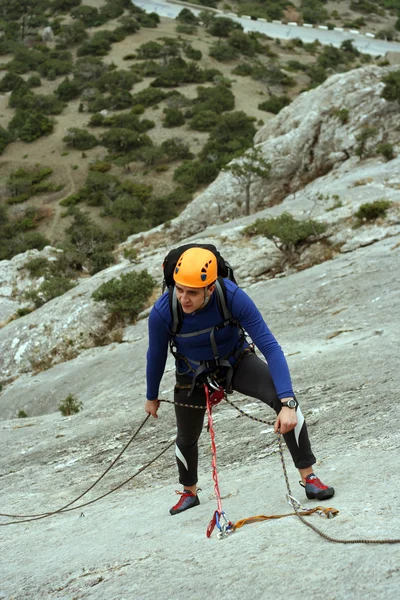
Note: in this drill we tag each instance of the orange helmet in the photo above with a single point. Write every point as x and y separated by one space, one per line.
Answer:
196 268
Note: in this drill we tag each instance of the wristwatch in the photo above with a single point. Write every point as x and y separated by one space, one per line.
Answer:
292 403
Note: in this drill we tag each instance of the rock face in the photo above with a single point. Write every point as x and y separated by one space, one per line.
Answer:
339 325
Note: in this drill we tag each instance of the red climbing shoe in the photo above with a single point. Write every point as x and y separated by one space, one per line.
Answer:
315 489
187 500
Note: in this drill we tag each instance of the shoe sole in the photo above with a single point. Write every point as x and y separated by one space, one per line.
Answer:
322 495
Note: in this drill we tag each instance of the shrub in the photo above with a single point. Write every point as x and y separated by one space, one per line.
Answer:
149 97
70 406
123 140
29 126
126 297
391 91
243 69
34 81
37 267
22 414
29 181
223 52
218 99
192 53
73 34
204 120
173 117
5 139
274 104
286 232
362 138
186 16
222 27
68 90
386 150
51 288
176 149
80 139
342 114
372 210
9 82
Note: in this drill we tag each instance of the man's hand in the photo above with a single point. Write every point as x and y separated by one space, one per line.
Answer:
286 420
151 407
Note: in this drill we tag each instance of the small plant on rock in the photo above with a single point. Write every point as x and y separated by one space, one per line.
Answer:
70 405
372 211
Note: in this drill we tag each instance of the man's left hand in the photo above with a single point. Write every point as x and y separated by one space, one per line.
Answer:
286 420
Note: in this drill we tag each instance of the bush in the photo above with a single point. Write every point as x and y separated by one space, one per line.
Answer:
243 70
80 139
73 34
192 53
34 81
126 297
176 149
372 210
51 288
362 138
223 27
342 114
386 150
223 52
5 138
68 90
186 16
123 140
275 104
70 406
29 181
29 126
218 99
391 91
173 117
204 120
37 267
286 232
149 97
9 82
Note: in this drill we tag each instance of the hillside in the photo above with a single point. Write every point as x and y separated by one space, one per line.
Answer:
256 72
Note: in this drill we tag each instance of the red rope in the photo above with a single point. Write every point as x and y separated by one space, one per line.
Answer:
211 401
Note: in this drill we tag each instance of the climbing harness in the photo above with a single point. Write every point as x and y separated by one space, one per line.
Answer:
219 518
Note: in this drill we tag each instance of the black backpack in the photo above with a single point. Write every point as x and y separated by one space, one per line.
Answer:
225 271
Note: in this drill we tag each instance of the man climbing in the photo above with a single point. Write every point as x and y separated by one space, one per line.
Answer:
208 343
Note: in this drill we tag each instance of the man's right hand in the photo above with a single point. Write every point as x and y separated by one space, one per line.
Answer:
151 407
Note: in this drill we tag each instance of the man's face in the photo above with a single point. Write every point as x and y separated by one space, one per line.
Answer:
192 299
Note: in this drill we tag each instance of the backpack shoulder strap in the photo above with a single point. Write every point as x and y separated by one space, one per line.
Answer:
176 310
220 290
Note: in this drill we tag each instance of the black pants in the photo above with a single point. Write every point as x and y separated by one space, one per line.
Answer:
252 378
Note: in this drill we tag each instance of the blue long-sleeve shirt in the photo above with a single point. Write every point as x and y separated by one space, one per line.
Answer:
198 348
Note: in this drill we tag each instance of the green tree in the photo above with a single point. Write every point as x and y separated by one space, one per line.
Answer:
248 169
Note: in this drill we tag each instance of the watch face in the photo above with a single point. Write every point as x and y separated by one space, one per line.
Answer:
292 403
